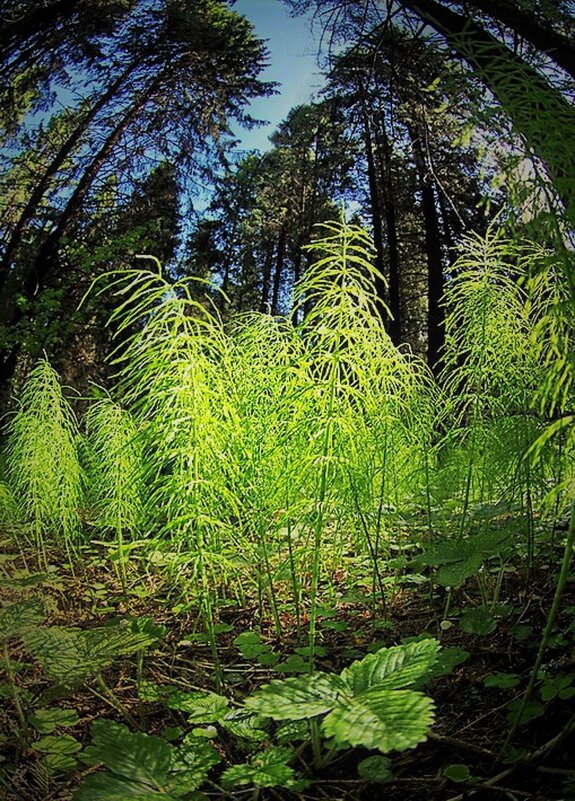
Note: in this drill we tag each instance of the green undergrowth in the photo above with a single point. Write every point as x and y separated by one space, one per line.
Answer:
290 471
110 694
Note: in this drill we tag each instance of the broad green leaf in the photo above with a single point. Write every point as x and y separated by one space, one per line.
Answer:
143 766
457 773
447 659
57 744
452 575
375 769
244 725
190 765
18 618
152 692
249 644
457 560
60 763
503 680
107 787
295 663
293 731
170 733
203 707
521 715
478 621
134 755
297 698
71 655
392 668
268 769
46 720
389 720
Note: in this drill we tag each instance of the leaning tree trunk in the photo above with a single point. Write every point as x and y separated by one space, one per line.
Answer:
46 258
539 112
559 47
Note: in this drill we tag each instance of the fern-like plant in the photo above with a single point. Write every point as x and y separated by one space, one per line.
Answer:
44 471
116 471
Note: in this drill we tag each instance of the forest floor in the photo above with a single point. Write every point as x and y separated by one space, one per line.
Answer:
472 702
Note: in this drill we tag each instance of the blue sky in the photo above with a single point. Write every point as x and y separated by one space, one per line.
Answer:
293 49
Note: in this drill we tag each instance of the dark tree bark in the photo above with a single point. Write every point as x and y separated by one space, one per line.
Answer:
384 151
279 267
435 277
559 47
37 22
538 111
375 207
267 279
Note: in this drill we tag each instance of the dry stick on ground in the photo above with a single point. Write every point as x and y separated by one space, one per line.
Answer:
460 745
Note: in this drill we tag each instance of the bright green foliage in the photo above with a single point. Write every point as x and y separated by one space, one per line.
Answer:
298 698
268 769
58 744
366 705
116 480
244 725
47 720
142 766
43 466
490 364
201 707
18 618
71 655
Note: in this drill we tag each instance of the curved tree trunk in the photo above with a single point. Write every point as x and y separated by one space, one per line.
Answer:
538 111
35 279
559 48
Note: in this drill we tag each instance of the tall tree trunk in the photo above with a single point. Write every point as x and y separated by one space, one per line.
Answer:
538 111
376 221
385 157
266 279
448 232
35 279
279 266
435 277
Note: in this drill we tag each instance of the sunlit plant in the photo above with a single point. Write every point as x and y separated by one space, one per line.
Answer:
116 471
42 459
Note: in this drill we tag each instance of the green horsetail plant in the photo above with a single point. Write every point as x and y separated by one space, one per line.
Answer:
268 383
43 467
116 475
491 370
169 358
360 384
553 338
